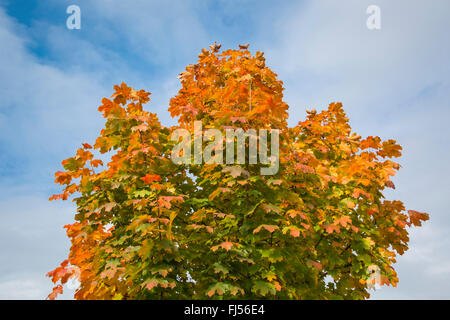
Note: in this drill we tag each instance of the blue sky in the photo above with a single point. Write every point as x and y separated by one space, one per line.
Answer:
393 82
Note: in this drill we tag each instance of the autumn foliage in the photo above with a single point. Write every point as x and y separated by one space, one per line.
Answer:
147 228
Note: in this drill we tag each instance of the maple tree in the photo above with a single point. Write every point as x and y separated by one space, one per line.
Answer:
148 228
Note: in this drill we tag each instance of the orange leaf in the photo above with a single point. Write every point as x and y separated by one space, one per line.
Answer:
330 228
56 290
270 228
149 178
227 245
416 217
151 284
295 233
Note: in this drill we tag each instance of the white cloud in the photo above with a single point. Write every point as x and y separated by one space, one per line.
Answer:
32 241
42 106
160 31
325 52
393 83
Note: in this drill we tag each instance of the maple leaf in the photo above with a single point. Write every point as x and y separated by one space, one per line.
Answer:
215 47
95 163
166 201
56 290
330 228
63 177
294 213
370 142
344 220
218 288
416 217
225 245
294 232
390 184
356 194
263 288
390 149
270 228
150 284
220 268
149 178
58 196
87 146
